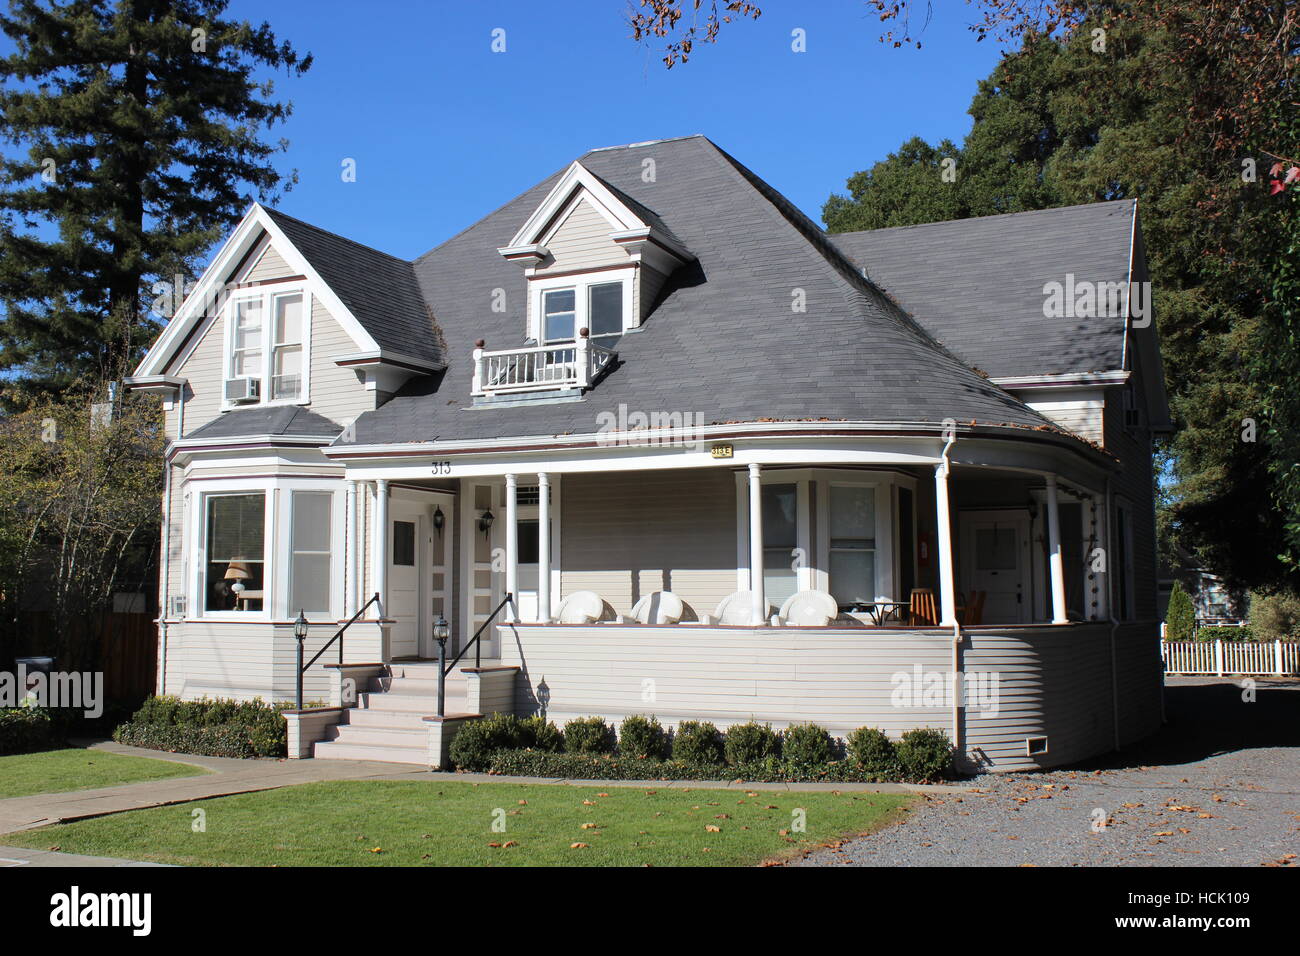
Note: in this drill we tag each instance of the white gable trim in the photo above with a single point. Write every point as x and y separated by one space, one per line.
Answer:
577 178
211 287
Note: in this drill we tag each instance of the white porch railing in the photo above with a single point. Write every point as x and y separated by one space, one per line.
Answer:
539 368
1252 658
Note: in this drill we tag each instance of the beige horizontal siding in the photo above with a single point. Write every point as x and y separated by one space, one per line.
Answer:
256 660
627 535
1049 681
270 265
582 242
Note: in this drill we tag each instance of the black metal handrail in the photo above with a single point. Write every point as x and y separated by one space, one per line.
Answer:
444 670
338 636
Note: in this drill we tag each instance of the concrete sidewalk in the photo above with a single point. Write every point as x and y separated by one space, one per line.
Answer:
21 856
229 776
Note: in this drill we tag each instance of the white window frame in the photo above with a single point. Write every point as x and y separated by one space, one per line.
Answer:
884 549
581 284
278 545
813 490
199 551
267 295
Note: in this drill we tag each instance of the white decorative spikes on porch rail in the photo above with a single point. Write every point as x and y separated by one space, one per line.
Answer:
540 368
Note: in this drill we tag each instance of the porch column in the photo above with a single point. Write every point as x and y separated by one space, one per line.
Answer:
1056 564
943 518
350 563
543 547
512 546
379 546
758 607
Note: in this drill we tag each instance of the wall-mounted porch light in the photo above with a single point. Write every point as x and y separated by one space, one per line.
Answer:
439 519
485 521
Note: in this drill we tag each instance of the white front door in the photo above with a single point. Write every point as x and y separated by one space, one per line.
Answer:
995 560
406 536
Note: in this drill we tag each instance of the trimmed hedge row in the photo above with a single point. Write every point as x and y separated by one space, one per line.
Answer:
589 748
213 728
25 729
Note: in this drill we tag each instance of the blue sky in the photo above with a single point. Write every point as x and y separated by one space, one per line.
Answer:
443 130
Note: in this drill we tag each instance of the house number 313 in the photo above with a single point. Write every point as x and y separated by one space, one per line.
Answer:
442 467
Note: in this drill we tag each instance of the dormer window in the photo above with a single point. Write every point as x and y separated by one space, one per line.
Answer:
266 347
565 304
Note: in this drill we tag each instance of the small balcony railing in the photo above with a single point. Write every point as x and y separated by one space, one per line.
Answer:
540 368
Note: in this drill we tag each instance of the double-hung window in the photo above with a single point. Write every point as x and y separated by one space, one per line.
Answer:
268 343
852 549
310 555
602 307
234 577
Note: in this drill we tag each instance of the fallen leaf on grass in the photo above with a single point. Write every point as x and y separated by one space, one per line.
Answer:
712 829
578 846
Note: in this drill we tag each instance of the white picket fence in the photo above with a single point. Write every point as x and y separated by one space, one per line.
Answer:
1252 658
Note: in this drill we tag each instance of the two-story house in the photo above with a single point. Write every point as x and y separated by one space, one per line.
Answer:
667 447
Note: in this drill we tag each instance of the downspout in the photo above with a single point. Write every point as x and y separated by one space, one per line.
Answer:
1114 621
956 626
165 559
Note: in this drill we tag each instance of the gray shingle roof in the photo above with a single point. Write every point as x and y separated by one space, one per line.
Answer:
977 284
272 420
379 290
724 341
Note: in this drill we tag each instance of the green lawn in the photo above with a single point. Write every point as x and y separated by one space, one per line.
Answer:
390 823
57 771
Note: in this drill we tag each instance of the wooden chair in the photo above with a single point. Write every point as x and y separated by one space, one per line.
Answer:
973 613
922 610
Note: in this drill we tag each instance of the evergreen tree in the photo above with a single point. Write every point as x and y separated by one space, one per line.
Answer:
1061 122
1180 616
138 126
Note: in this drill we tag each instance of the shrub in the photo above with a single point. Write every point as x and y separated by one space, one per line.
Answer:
24 729
750 743
873 752
475 743
1180 617
588 735
644 737
541 734
238 728
924 754
1219 632
1275 617
229 741
807 745
698 743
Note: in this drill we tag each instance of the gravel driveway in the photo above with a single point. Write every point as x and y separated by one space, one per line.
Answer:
1218 785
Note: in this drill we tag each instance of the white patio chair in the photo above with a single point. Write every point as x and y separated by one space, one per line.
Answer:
581 607
735 609
809 609
659 607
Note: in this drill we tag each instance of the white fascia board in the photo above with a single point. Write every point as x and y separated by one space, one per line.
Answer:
387 357
1063 380
239 242
576 176
674 445
255 222
155 384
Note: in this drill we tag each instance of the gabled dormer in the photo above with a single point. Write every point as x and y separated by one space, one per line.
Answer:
593 261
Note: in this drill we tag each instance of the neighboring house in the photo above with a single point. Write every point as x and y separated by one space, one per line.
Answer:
651 373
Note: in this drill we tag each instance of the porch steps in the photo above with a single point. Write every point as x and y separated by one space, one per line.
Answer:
388 722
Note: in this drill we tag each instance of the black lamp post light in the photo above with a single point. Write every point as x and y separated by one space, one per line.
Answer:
441 631
300 634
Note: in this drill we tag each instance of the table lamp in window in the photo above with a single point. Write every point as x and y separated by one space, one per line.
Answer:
237 573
